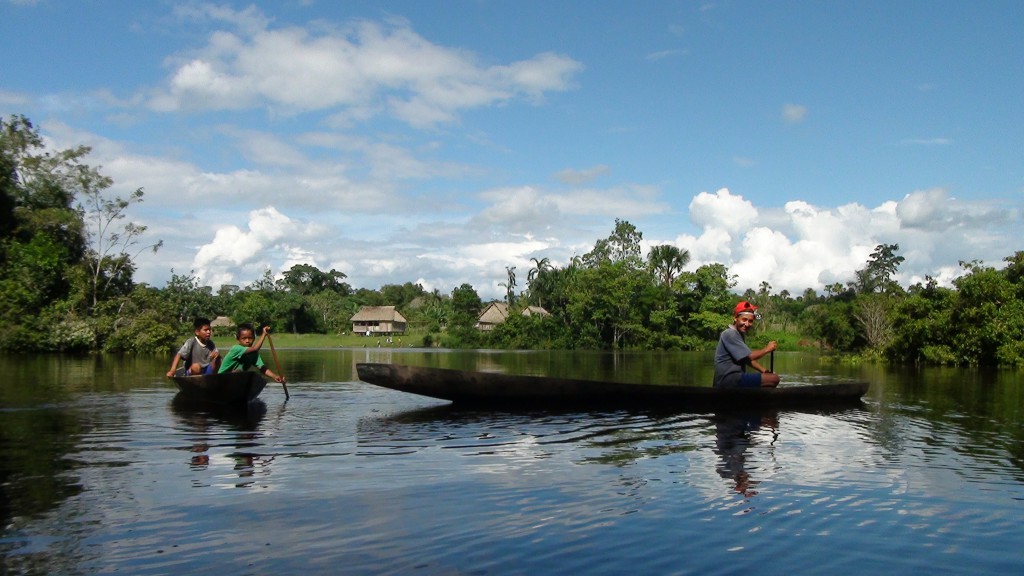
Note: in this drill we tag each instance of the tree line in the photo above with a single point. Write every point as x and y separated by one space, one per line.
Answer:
68 252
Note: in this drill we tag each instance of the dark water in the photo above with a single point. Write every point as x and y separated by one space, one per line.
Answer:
102 472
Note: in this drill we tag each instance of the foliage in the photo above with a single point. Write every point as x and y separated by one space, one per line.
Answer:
305 279
110 266
141 325
666 262
877 275
623 245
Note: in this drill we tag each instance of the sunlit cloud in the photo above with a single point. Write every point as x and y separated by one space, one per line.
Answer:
355 72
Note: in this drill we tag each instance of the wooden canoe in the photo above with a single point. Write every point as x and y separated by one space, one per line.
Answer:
229 388
498 390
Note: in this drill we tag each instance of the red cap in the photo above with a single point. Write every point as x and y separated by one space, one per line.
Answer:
744 307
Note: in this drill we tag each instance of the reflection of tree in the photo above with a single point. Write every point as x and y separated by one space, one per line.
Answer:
34 465
732 438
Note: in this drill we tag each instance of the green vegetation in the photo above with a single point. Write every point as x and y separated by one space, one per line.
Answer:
67 264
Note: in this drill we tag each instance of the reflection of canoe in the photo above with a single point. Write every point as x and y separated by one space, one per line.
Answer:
199 415
229 388
494 389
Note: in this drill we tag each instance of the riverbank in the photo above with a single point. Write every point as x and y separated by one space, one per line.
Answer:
315 341
787 342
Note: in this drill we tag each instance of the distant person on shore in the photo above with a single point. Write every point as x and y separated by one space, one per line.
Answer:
733 355
246 354
198 354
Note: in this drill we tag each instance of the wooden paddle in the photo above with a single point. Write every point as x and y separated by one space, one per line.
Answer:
771 359
277 365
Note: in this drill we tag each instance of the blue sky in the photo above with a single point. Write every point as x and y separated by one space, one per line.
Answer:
440 142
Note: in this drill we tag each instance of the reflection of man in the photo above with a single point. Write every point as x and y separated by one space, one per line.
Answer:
733 356
732 438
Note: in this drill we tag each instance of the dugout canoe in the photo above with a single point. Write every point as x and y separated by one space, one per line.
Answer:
229 388
502 390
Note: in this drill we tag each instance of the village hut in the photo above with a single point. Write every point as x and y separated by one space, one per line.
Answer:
378 320
497 312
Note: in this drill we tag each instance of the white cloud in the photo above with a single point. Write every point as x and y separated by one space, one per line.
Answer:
923 208
233 249
389 204
308 210
354 72
721 208
811 247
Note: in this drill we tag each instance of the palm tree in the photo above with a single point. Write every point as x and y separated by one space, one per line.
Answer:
538 281
666 262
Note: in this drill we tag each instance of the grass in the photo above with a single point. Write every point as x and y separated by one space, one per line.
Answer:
285 340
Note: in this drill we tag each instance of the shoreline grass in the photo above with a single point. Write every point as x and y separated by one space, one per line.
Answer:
313 341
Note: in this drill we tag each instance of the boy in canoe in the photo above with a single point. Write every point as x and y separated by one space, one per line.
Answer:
246 354
200 354
733 356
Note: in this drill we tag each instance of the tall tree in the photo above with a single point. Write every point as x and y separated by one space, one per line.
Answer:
877 275
539 281
306 279
510 286
41 242
666 262
623 245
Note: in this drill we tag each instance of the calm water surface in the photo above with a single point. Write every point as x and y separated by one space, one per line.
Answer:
101 471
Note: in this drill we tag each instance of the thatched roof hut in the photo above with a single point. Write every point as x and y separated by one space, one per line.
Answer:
377 320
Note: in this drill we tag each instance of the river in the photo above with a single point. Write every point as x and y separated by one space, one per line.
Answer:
102 472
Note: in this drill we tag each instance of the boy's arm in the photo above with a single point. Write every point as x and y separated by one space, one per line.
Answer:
259 343
270 374
174 365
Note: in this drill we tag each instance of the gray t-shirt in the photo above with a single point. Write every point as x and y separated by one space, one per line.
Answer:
731 358
193 351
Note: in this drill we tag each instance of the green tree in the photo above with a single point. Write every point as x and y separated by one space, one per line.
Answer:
401 295
510 286
110 264
623 245
538 281
141 325
187 299
41 243
611 304
922 332
987 320
306 279
877 275
466 308
666 262
706 301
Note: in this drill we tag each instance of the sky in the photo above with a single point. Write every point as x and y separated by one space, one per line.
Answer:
443 142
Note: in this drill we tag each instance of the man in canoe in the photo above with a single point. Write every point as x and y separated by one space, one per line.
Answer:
733 355
200 354
246 354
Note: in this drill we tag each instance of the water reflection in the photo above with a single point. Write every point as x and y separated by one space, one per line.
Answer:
100 472
735 433
214 427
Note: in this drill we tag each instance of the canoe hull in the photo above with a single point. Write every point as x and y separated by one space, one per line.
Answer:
229 388
497 390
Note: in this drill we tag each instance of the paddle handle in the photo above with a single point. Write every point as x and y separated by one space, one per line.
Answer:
771 361
277 365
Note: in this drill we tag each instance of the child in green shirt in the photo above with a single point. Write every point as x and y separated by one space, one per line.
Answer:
246 354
